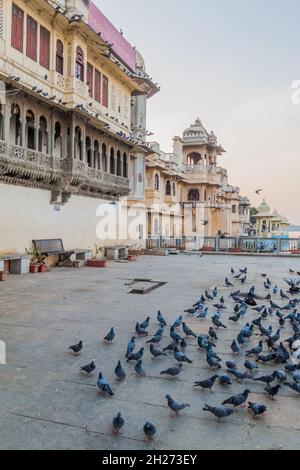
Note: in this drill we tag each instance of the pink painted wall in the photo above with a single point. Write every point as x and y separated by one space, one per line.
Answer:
98 22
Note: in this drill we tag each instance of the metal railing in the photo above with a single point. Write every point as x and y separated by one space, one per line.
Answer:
227 244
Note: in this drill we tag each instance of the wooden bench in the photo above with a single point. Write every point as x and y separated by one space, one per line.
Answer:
54 247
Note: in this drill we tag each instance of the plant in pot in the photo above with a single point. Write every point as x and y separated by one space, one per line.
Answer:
99 260
37 263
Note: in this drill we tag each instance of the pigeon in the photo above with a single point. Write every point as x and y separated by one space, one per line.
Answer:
89 368
240 376
202 315
255 351
213 334
280 375
150 431
207 384
183 343
272 390
208 296
250 365
296 376
176 406
120 372
293 386
140 369
103 385
257 409
110 336
140 331
237 400
180 357
178 322
218 323
187 331
228 283
231 365
213 362
235 347
136 356
235 318
224 380
145 324
265 358
174 335
265 378
157 352
118 424
219 412
155 340
173 371
161 318
170 347
131 346
77 348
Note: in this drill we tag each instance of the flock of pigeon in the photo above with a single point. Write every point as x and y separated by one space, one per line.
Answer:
252 312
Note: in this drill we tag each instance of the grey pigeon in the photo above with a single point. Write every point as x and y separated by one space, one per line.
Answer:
140 369
118 424
77 348
235 347
180 357
178 322
224 380
103 385
140 331
136 356
272 390
237 400
173 371
156 352
280 375
161 318
250 365
176 406
150 431
257 409
120 372
255 351
145 324
207 384
293 386
219 412
213 362
110 336
265 378
187 331
89 368
131 346
296 376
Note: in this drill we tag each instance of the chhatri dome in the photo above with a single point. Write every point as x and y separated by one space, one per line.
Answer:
196 134
264 210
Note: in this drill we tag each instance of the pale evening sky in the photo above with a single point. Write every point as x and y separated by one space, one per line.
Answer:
233 63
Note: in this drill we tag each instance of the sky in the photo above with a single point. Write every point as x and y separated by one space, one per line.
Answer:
232 63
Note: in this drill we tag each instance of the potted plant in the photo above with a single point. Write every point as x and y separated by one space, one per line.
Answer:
132 254
37 263
99 260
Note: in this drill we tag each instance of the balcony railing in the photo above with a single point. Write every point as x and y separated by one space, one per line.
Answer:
81 171
241 244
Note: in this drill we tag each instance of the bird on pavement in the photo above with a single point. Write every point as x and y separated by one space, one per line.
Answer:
237 400
136 356
257 409
173 371
187 331
149 431
272 390
207 384
103 385
110 336
118 424
89 368
120 372
140 369
77 348
156 352
219 412
175 405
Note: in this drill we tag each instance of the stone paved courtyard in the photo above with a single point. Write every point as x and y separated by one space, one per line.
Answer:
45 403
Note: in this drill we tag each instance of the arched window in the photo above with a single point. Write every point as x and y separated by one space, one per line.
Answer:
59 57
112 161
125 168
97 155
194 195
174 189
88 151
119 166
104 158
15 125
30 130
156 182
43 135
57 140
79 71
78 143
168 188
